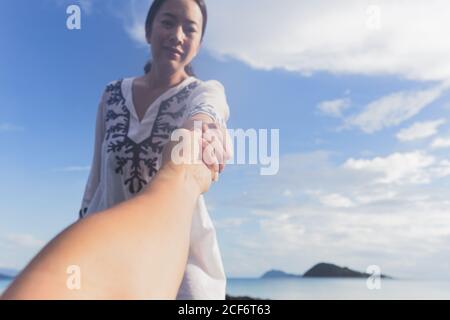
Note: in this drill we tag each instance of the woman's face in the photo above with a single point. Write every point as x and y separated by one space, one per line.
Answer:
176 34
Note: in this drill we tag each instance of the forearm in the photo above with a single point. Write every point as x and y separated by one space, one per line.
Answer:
137 249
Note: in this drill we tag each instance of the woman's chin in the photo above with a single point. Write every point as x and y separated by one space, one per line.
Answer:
171 66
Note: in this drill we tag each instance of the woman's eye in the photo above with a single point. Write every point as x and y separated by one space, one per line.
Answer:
167 23
191 30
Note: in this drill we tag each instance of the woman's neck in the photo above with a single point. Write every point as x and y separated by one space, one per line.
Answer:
157 79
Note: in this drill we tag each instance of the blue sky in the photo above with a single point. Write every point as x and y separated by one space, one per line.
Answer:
360 99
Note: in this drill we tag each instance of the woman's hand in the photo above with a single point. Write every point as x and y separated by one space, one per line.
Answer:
216 142
216 146
184 152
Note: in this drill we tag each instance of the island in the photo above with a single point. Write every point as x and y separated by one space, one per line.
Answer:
5 277
278 274
322 270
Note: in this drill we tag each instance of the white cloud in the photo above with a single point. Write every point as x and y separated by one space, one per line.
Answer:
442 169
331 200
334 36
334 108
393 109
226 223
420 130
356 238
346 216
336 200
374 196
86 5
133 15
74 169
287 193
134 20
22 240
396 168
439 143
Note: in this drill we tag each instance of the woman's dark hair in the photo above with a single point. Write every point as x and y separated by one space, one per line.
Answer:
154 8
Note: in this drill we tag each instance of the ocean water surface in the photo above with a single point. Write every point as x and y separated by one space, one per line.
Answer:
326 289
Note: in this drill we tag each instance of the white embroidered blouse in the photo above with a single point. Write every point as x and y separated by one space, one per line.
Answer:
127 154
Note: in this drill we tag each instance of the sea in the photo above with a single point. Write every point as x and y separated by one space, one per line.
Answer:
332 289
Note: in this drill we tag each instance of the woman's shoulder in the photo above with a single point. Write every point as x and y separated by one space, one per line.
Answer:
113 92
117 88
112 86
213 86
118 83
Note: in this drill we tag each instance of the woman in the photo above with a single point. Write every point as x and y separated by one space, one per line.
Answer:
135 118
113 266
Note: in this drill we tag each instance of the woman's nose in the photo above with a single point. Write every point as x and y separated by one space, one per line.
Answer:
178 35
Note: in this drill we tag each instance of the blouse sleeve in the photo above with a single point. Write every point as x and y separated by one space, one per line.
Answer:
209 98
94 175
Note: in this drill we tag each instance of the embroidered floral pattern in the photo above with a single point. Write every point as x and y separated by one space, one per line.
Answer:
146 154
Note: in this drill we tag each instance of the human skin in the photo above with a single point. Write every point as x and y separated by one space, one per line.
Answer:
125 252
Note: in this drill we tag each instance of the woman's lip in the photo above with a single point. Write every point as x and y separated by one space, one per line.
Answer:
173 50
